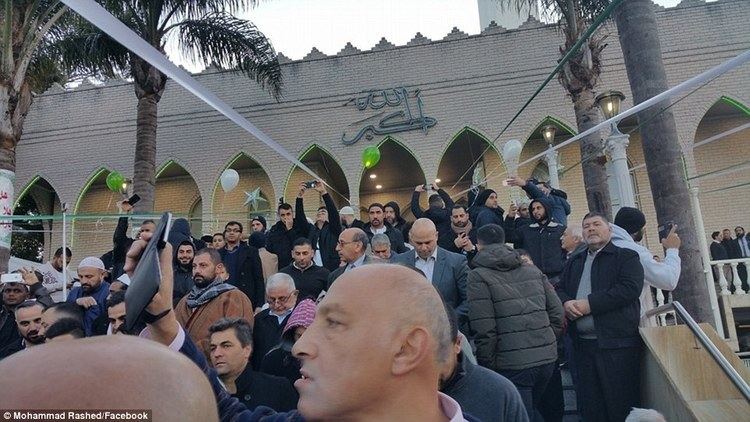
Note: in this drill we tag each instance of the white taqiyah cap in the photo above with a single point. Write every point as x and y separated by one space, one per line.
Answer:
92 262
347 211
124 279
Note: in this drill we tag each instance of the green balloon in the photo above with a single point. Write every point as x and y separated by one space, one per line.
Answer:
115 181
370 156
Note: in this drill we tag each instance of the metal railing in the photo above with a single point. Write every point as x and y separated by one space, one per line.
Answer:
710 347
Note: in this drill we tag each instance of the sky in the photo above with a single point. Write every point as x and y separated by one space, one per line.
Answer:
296 26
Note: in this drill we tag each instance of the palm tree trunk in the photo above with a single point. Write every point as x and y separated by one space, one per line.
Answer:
144 166
639 39
592 156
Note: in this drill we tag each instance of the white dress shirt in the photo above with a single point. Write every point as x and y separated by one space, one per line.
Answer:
358 263
427 266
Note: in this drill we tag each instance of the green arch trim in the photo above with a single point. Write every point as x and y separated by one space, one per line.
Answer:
88 184
557 122
233 160
26 189
734 103
397 142
468 129
302 156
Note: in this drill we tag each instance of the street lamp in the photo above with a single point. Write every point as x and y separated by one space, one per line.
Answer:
551 156
616 147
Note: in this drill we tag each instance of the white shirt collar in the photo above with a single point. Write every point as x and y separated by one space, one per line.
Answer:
450 408
358 263
433 256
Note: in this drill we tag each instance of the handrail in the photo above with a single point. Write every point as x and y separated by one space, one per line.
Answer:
729 261
710 347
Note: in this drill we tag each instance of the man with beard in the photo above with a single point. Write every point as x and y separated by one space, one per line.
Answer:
743 244
29 323
559 208
378 224
439 211
347 219
463 236
518 216
92 294
52 274
243 264
542 240
486 210
210 299
289 228
183 270
394 218
326 230
13 294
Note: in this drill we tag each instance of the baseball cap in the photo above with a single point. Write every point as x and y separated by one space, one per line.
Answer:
92 262
347 211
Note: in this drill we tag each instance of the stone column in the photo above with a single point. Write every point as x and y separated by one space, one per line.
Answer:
550 157
616 147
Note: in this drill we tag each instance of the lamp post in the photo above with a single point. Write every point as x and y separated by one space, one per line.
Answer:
616 147
551 156
511 154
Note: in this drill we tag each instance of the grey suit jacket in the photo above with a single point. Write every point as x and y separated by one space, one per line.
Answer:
340 270
448 276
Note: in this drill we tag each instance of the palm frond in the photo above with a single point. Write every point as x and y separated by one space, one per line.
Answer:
178 10
231 43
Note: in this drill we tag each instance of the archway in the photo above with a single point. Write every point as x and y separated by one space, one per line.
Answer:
36 240
232 206
177 192
469 148
723 166
323 164
392 179
92 235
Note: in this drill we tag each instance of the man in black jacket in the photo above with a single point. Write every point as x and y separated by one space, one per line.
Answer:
231 348
439 211
243 265
542 240
600 289
121 241
517 218
289 228
281 296
326 230
183 270
309 278
718 253
378 224
463 235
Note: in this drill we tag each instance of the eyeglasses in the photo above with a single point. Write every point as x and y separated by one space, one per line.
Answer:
343 243
282 300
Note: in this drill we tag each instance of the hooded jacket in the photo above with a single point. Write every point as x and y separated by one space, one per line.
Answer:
326 238
481 215
661 275
279 361
440 216
559 208
542 240
514 312
280 240
183 277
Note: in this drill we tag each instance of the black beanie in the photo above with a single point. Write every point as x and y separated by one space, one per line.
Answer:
262 221
482 197
631 219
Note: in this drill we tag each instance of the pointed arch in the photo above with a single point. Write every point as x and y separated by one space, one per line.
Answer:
175 189
564 128
39 178
36 239
99 176
230 206
468 152
325 164
397 173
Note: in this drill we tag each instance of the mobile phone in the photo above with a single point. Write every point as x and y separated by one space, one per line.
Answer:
144 283
665 229
134 199
311 184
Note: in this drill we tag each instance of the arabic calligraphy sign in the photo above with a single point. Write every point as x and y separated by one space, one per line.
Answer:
408 118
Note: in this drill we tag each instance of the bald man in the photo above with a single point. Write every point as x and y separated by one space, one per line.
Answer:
445 270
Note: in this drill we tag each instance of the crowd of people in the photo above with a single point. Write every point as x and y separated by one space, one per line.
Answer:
466 313
725 247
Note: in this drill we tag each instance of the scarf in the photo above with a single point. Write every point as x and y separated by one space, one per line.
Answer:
199 296
459 230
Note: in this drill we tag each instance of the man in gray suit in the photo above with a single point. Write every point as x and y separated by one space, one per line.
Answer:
446 270
352 249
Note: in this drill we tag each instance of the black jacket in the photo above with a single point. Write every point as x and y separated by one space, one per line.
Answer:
733 248
183 282
616 284
280 240
326 237
266 334
718 251
397 239
309 282
512 226
440 216
121 243
542 241
250 279
281 363
258 389
448 243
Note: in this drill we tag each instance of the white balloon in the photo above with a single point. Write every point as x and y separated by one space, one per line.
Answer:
229 179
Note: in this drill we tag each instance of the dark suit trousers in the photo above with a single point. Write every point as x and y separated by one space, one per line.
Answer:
608 381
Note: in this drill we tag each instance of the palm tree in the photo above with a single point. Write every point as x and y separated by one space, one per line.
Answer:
579 78
639 40
27 65
203 30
